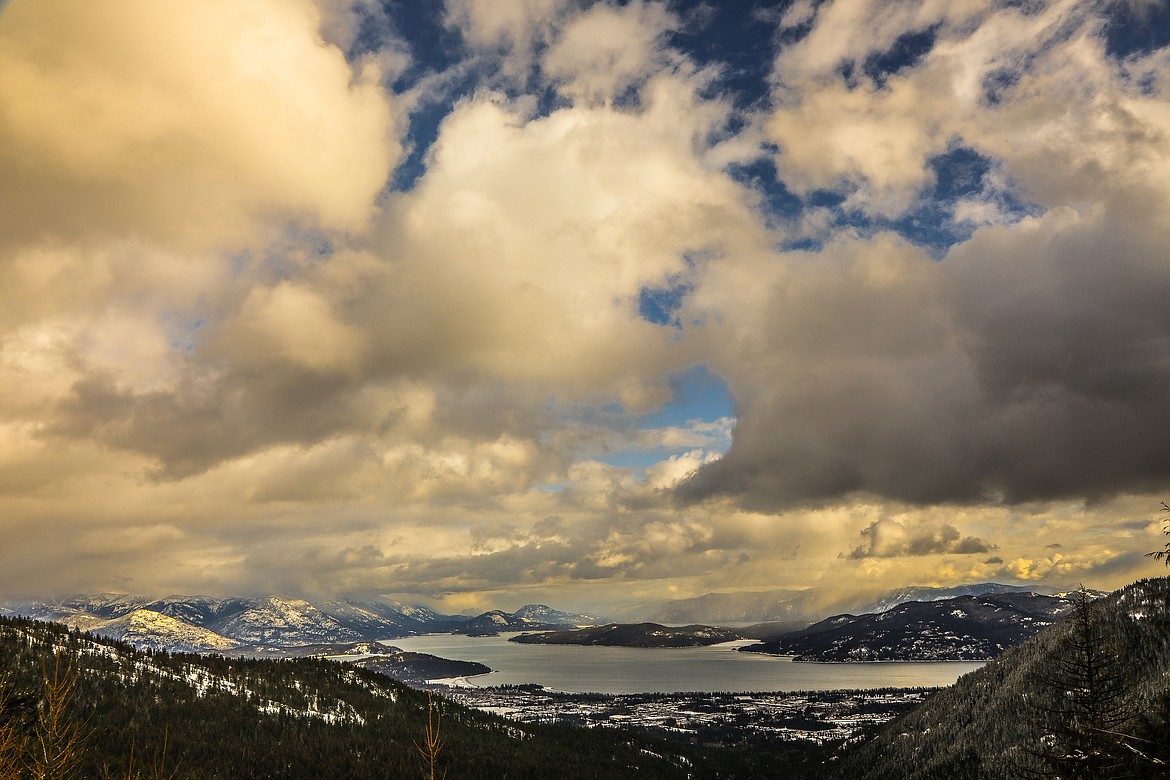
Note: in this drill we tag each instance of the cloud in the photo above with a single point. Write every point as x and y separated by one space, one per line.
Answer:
607 49
113 124
1028 363
891 538
563 224
228 345
514 30
292 374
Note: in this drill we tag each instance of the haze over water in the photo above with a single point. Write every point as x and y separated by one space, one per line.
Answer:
718 668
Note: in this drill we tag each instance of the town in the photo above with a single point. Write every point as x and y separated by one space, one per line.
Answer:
815 716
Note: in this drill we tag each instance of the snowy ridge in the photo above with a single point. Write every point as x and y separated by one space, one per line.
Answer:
542 613
147 628
209 624
962 628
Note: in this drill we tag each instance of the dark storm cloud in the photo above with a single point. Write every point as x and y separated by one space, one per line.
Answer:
1030 363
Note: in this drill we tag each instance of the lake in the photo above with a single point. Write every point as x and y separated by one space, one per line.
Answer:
717 668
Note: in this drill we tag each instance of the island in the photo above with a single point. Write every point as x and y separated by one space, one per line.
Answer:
402 665
632 635
416 668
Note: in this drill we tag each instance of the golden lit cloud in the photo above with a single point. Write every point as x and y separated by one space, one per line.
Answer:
301 296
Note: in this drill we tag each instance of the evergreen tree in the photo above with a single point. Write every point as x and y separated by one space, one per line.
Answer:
1085 717
1163 555
58 745
13 738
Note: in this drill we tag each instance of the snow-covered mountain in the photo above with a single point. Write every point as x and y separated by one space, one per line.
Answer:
892 599
277 621
542 613
808 605
208 624
145 628
992 721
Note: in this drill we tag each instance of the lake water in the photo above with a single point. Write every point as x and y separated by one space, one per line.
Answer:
670 670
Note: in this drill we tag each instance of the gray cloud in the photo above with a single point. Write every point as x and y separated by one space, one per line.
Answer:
892 538
1031 362
231 361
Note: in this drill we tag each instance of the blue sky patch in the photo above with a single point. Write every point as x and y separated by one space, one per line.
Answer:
699 394
907 51
744 44
660 305
1136 29
958 173
760 175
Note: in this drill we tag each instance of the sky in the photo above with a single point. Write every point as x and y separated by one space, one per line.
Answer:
480 303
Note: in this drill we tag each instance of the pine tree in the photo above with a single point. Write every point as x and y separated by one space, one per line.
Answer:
58 745
432 741
1163 555
13 740
1085 717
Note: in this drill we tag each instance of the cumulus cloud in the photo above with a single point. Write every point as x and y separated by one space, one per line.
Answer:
447 292
231 349
890 538
608 49
514 30
1029 362
222 311
123 118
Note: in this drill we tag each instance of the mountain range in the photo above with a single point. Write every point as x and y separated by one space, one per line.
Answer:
242 625
307 717
207 624
803 606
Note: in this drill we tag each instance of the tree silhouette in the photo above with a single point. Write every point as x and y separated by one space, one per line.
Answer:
1086 724
59 742
13 739
1163 555
432 741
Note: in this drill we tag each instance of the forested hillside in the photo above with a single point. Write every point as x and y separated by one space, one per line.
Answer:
964 628
303 718
1054 698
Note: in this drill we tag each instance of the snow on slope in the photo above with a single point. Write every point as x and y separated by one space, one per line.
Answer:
147 628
